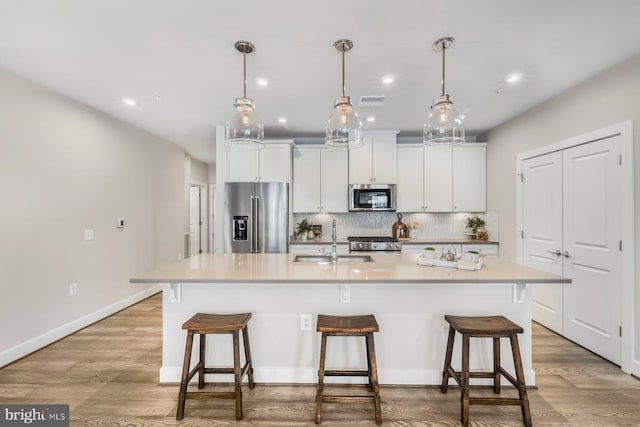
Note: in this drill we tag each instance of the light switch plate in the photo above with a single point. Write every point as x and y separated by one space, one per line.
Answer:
345 293
88 234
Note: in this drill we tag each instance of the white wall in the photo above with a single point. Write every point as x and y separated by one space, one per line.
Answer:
609 98
64 168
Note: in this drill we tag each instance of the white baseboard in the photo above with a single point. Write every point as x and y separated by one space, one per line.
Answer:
47 338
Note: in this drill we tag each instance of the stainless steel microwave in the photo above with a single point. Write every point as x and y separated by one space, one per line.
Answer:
372 197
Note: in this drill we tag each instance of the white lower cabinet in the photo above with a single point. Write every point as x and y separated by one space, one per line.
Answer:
320 248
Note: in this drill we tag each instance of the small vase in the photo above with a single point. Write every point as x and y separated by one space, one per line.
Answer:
303 236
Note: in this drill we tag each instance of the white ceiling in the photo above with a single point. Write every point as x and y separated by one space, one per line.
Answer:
176 57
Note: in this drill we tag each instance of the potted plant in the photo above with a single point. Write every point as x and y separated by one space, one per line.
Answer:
473 223
471 255
303 229
429 252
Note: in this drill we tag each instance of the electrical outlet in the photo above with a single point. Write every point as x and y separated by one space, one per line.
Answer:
73 289
305 322
345 293
88 234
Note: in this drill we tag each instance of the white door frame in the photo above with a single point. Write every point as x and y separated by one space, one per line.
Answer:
625 129
204 214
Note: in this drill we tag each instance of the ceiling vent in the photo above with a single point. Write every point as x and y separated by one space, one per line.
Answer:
371 101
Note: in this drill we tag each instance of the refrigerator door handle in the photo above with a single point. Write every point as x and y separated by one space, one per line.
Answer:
256 222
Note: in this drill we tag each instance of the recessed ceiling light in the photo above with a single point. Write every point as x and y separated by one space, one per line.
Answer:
130 102
262 81
388 80
282 120
371 119
513 78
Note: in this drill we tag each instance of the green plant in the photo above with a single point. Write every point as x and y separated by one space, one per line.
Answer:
429 248
473 252
475 222
303 226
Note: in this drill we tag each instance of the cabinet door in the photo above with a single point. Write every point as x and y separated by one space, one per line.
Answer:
360 162
469 179
410 179
334 180
383 159
243 165
275 163
306 180
438 169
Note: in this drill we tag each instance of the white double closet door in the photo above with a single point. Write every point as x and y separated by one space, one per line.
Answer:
571 226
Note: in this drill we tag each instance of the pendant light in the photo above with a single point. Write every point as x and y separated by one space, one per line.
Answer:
344 128
443 126
244 129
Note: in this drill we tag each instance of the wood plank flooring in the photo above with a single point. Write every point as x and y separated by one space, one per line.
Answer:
108 373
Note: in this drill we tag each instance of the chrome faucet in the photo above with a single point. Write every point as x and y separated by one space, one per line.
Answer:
334 237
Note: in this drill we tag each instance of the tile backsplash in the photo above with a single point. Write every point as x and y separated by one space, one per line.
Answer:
430 225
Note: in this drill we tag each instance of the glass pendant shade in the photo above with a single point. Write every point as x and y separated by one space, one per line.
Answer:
444 123
344 128
245 130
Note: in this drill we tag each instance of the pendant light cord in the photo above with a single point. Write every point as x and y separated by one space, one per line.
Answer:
244 73
343 85
444 47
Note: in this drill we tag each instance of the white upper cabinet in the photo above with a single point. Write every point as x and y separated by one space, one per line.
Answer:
470 178
320 180
270 164
442 179
438 173
410 179
375 161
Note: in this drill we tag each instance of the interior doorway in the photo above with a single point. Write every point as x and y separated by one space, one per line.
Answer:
197 224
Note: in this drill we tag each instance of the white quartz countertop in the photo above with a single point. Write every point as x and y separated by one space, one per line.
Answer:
388 268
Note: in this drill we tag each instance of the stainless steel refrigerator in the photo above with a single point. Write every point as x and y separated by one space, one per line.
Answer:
256 217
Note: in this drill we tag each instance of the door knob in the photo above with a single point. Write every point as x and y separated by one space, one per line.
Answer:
556 252
566 254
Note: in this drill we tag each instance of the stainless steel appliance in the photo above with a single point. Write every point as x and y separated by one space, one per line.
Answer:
372 197
256 217
374 244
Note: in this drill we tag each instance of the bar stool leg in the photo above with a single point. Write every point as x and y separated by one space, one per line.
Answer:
185 376
496 365
236 374
247 357
522 389
447 360
203 341
373 372
464 397
323 353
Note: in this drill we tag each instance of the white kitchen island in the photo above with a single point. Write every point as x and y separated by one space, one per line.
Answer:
408 300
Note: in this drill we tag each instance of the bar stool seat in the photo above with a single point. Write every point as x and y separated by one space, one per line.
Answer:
204 324
495 327
349 326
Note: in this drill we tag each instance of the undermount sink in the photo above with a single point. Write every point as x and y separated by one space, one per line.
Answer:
327 258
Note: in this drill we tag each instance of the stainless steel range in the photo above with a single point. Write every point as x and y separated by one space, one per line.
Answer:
374 244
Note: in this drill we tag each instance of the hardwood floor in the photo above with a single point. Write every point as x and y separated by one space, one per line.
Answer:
108 374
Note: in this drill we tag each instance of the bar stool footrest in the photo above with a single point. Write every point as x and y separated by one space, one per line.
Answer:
348 399
210 395
346 373
495 401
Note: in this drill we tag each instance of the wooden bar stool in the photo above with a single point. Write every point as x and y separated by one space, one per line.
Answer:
204 324
495 327
349 326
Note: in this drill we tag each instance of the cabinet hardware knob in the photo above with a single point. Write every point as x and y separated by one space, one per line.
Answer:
566 254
